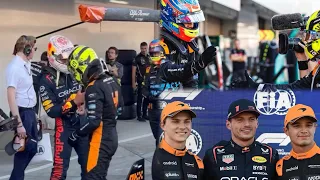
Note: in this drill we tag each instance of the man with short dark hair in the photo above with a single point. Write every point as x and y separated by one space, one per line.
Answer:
116 68
241 157
238 57
21 100
139 66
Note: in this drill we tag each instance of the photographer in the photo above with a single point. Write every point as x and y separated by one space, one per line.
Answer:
311 48
116 68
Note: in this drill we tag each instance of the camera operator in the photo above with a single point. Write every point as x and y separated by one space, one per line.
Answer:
116 68
311 52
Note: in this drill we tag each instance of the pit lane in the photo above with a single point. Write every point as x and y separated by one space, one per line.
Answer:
135 142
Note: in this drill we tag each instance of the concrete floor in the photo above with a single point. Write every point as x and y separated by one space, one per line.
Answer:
135 142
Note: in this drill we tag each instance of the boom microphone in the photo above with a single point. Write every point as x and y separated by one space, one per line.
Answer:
287 21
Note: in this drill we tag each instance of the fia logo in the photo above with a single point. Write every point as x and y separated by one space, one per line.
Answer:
270 102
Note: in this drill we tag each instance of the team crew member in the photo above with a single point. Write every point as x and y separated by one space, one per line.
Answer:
242 157
139 65
101 101
21 100
115 68
165 75
311 48
172 160
303 162
238 58
60 100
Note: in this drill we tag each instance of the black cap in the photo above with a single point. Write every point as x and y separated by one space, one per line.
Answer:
240 106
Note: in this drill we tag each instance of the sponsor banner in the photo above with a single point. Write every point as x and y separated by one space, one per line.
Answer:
211 108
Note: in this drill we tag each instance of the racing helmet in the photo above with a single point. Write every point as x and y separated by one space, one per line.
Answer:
157 51
81 60
59 49
312 36
175 14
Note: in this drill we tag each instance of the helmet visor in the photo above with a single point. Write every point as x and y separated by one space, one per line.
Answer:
194 17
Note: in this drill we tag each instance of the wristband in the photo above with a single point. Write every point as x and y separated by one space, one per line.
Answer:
303 65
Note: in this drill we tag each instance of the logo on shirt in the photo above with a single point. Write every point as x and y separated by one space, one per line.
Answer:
42 88
192 176
314 166
259 159
292 169
228 158
265 151
189 164
172 175
259 168
46 103
228 168
220 151
170 163
294 178
313 177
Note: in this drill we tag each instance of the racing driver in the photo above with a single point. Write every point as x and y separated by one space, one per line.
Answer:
303 162
101 101
179 27
60 100
172 160
241 157
165 75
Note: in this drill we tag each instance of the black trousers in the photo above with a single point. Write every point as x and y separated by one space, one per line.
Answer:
142 103
23 158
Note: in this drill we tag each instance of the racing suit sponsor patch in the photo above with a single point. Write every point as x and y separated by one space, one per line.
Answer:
192 176
228 168
292 169
92 95
66 106
91 106
316 177
314 166
170 163
42 88
294 178
228 158
172 175
189 164
259 159
48 107
44 98
46 103
259 168
220 151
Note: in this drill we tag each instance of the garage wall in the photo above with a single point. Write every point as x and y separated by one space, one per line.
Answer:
212 25
36 17
247 30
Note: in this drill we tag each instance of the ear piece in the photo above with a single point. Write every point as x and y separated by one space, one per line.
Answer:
27 50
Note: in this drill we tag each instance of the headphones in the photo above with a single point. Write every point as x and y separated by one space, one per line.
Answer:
27 48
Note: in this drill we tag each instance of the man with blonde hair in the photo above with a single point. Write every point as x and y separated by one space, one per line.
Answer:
22 100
